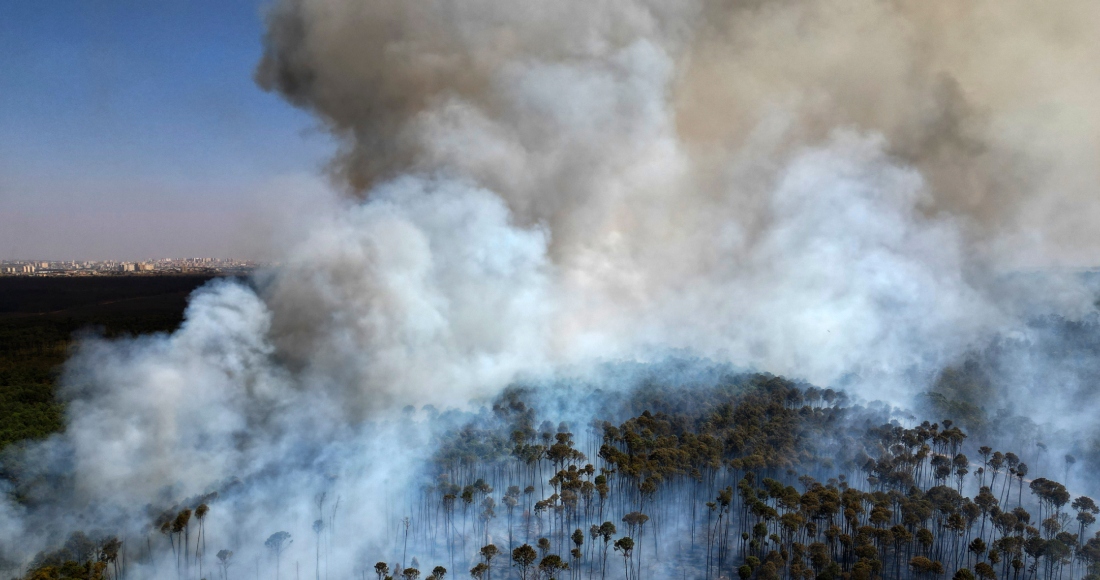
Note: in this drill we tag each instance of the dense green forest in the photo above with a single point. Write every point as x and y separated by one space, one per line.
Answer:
39 319
755 477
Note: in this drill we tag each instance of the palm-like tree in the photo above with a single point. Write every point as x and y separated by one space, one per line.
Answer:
637 520
607 530
489 552
625 546
180 528
524 557
406 521
224 558
108 553
275 543
1086 514
551 564
544 546
1021 472
510 501
200 542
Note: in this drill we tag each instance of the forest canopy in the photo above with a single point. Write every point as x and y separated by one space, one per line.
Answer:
754 476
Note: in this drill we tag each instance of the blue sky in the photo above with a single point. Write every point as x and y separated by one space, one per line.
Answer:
132 129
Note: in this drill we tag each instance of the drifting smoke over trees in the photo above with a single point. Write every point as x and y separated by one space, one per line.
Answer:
827 190
757 478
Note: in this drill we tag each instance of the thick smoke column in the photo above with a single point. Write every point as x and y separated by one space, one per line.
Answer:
991 101
814 188
827 190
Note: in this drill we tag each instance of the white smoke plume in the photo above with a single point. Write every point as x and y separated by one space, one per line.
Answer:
832 191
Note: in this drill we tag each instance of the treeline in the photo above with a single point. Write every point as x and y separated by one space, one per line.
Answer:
757 478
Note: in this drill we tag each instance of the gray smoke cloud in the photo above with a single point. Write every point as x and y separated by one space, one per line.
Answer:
814 188
991 101
832 191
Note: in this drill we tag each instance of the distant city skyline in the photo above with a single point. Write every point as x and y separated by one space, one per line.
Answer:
125 267
133 129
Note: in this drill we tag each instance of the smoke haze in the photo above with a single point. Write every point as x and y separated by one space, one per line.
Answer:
832 191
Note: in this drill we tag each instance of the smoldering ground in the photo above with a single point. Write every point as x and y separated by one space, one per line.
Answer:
833 191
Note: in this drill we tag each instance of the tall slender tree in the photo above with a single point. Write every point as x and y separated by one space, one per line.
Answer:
224 560
276 543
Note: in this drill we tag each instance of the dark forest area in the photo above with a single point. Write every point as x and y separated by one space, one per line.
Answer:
41 316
